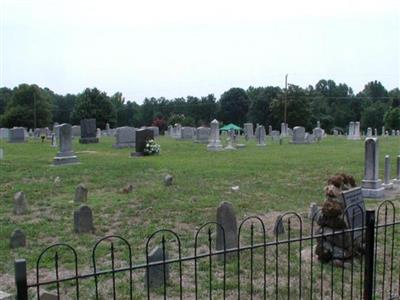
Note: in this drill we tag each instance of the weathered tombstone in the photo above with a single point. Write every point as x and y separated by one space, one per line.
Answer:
309 138
313 211
383 130
387 184
125 137
227 219
278 226
369 132
397 179
284 131
187 133
269 130
275 134
215 142
318 133
81 193
76 131
350 134
65 155
371 184
335 132
108 129
393 132
155 275
142 136
248 130
168 180
17 135
261 136
156 130
83 219
298 135
356 131
1 153
202 135
53 140
45 295
20 204
98 133
375 132
230 145
88 132
355 209
17 239
4 133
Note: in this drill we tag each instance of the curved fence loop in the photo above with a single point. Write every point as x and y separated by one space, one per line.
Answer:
386 204
109 238
56 259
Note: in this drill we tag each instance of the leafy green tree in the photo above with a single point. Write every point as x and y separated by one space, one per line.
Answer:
5 97
234 105
373 114
392 119
29 106
92 103
260 101
63 108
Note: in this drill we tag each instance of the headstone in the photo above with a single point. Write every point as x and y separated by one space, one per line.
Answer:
168 180
1 153
284 129
187 133
20 204
202 135
76 131
275 134
313 211
261 136
371 184
81 193
45 295
230 145
65 155
83 220
375 132
309 138
355 208
350 134
269 130
383 130
98 133
298 135
17 239
53 140
108 129
387 184
17 135
125 137
318 133
177 131
155 274
278 226
335 132
156 130
393 132
357 130
215 142
169 130
397 179
227 219
88 132
142 136
369 132
248 130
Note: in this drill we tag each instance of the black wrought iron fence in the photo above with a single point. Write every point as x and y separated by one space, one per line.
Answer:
261 266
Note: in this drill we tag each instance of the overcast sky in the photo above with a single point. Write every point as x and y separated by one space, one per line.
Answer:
175 48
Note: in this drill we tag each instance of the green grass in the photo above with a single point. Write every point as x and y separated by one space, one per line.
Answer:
276 178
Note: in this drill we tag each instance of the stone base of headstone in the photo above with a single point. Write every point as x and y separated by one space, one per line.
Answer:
261 145
229 147
387 186
215 146
93 140
60 160
396 181
124 145
373 193
240 146
137 154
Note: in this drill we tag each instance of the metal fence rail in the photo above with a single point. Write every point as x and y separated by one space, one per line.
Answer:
259 267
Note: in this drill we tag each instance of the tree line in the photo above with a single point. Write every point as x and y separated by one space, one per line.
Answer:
334 105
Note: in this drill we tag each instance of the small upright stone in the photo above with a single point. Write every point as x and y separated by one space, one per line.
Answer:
155 274
387 184
227 219
278 226
168 180
83 220
81 193
20 204
17 239
313 211
215 142
45 295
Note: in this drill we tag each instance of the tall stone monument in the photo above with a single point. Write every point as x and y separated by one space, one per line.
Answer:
65 155
88 132
371 184
215 142
261 136
248 130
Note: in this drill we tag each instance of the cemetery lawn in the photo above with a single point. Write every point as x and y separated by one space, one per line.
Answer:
271 180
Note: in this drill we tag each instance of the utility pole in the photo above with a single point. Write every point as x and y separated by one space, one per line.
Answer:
34 110
285 107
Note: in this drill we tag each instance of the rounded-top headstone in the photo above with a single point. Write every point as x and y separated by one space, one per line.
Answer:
83 220
227 219
81 193
20 204
17 239
168 180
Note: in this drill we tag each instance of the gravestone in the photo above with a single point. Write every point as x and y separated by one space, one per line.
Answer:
76 131
313 211
4 133
17 135
88 132
318 133
393 132
371 184
108 129
45 295
187 133
350 134
168 180
202 135
83 219
65 155
248 130
309 138
156 130
227 219
298 135
354 208
284 129
356 131
215 142
261 136
383 130
20 204
269 130
369 132
387 184
335 132
81 193
98 133
278 226
125 137
375 132
169 130
53 140
142 136
154 277
275 134
17 239
1 153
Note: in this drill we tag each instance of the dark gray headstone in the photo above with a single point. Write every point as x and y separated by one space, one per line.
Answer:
227 219
81 193
155 274
278 226
83 220
353 201
17 239
20 204
88 131
142 136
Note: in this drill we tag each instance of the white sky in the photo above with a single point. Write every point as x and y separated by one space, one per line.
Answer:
175 48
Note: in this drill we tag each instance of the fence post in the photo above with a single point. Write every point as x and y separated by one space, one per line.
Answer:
369 254
20 279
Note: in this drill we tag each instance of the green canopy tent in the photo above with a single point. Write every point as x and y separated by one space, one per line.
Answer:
230 127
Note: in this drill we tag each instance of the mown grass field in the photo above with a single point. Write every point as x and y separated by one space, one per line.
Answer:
272 180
